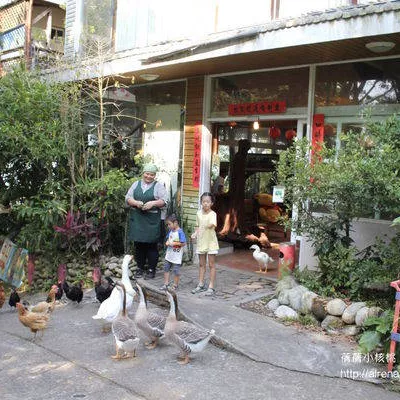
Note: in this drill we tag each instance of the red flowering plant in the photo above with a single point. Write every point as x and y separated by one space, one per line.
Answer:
81 233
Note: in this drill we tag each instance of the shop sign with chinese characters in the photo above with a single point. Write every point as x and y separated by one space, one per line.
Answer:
196 155
260 107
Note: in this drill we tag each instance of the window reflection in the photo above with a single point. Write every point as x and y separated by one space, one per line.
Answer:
362 83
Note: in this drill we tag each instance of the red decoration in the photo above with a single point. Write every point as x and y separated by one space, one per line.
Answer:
290 134
197 155
274 132
317 133
260 107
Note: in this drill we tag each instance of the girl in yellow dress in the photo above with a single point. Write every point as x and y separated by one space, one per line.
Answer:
207 243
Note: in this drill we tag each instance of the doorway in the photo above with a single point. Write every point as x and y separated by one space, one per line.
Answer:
252 190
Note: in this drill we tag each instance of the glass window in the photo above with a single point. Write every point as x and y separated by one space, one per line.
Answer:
362 83
97 17
286 85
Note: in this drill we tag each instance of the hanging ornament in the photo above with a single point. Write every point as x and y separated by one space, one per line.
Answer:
274 132
290 134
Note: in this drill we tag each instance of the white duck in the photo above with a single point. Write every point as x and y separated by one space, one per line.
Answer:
111 307
263 259
188 337
150 322
124 330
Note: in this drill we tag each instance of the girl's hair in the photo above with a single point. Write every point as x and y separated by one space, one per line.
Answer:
207 194
172 218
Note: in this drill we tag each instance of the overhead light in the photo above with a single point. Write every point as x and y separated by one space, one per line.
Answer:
256 124
149 77
380 47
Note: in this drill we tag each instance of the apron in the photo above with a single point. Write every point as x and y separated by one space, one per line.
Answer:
144 226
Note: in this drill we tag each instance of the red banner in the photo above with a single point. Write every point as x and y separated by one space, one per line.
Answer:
317 133
197 155
260 107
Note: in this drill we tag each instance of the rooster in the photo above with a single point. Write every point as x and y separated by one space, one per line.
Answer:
74 293
102 287
32 320
14 298
263 259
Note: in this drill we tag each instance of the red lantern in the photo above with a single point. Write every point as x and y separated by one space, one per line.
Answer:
274 132
290 134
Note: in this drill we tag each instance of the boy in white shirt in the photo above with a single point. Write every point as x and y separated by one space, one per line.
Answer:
175 241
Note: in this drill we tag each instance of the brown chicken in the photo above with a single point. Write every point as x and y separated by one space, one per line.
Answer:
46 306
32 320
2 295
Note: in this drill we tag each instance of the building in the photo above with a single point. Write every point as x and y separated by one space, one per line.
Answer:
32 31
213 69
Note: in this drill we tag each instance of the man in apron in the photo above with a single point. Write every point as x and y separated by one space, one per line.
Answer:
146 198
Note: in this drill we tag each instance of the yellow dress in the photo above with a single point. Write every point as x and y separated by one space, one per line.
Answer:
206 237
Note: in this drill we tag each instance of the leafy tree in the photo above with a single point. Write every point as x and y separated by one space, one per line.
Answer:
329 191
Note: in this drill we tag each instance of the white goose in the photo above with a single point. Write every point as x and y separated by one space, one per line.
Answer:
124 330
263 259
188 337
150 322
111 307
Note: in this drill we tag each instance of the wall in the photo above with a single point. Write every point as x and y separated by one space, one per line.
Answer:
364 233
194 114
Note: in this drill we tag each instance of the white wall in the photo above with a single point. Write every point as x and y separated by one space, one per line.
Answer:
364 233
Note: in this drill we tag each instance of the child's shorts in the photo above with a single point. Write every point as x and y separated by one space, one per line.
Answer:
168 266
211 252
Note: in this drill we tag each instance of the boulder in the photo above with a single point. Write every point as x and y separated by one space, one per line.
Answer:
307 301
273 304
286 312
283 297
350 330
361 316
349 314
336 307
332 324
318 307
288 282
295 296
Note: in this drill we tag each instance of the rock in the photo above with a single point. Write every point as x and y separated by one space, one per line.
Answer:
307 302
288 282
361 316
113 266
273 304
318 307
336 307
295 296
374 312
118 272
349 314
332 323
283 297
108 273
286 312
350 330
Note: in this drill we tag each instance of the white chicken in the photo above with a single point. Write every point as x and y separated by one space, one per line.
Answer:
263 259
110 308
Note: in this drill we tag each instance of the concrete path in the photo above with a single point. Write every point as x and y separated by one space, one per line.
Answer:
256 357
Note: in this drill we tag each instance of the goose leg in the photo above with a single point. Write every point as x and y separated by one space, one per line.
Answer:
117 356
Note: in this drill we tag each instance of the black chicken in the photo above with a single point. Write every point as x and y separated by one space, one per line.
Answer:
14 298
102 287
75 292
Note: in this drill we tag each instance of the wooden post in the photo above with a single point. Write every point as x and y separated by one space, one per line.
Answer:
28 33
395 336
